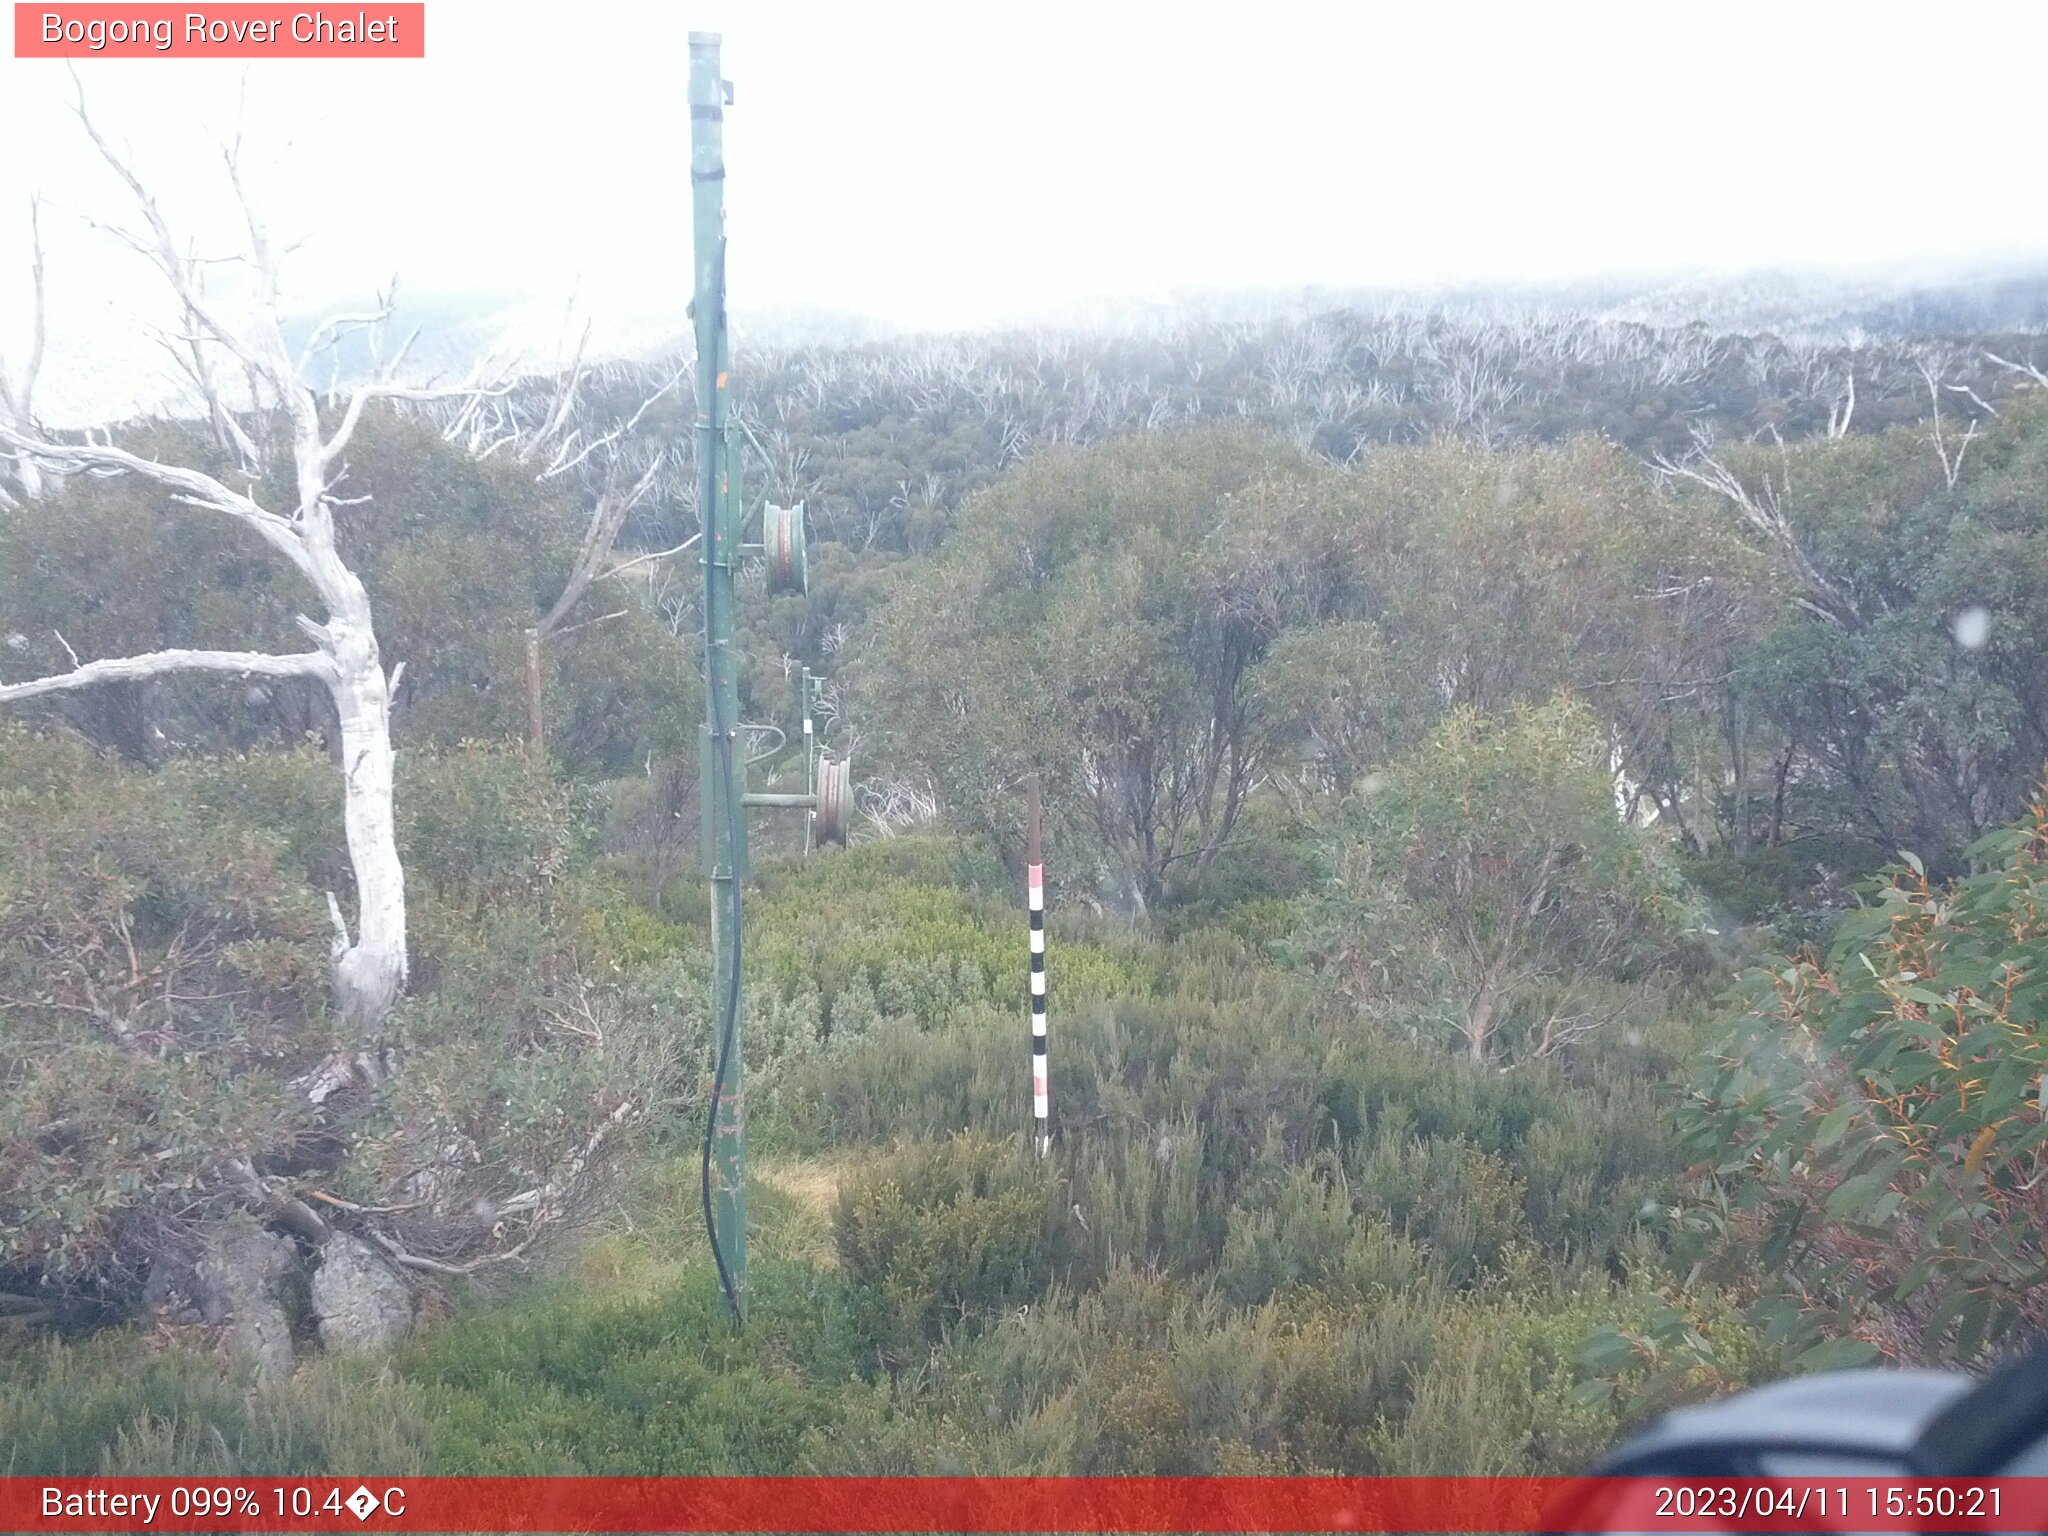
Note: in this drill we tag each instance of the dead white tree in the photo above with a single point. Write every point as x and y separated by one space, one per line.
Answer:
1764 510
1951 462
17 395
565 445
1841 412
899 805
369 967
2026 370
615 499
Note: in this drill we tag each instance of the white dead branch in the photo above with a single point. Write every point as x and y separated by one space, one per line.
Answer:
1763 509
1951 462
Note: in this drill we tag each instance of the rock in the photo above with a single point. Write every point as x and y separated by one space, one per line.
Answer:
362 1303
170 1293
239 1274
230 1279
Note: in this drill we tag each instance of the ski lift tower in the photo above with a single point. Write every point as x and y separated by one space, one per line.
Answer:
723 798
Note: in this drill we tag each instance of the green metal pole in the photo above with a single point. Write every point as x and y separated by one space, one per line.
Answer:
810 754
723 824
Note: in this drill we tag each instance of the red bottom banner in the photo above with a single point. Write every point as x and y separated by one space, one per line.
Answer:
1020 1504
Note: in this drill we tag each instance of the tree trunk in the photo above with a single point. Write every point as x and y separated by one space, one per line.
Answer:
27 473
1778 799
370 973
1738 754
536 720
1479 1023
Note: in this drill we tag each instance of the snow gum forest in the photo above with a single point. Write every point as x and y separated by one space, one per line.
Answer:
1547 867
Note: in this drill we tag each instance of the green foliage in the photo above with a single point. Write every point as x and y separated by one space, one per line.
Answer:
1107 607
161 971
113 1405
1873 1122
927 924
1251 885
1517 1384
939 1232
1344 700
650 1386
1352 732
882 988
163 978
1151 1376
886 439
1487 879
1881 724
1795 890
1295 1227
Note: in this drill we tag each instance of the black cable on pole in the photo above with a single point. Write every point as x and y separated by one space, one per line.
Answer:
728 1028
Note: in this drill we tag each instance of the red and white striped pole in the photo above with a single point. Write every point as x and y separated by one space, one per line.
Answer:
1034 874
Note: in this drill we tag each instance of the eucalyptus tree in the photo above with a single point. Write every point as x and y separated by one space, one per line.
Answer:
1098 616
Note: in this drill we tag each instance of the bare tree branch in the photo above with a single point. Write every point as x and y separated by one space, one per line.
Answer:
624 429
191 486
330 331
606 518
1842 412
159 663
1763 510
163 248
659 554
1951 464
370 970
18 400
402 1256
2026 370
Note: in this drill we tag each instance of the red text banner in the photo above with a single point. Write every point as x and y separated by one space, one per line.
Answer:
224 31
1020 1504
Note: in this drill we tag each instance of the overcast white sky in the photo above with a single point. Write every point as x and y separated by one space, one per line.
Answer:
942 165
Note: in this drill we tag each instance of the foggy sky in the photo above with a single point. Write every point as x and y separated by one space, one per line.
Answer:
946 165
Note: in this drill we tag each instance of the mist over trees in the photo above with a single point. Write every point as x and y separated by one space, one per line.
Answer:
1436 712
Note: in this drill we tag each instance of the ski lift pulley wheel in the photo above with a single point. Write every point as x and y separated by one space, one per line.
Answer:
782 537
835 800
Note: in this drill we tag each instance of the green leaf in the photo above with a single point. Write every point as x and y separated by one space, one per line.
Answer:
1974 1325
1855 1196
1834 1123
1835 1355
1606 1350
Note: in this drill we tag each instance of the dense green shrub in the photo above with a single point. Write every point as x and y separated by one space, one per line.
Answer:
1320 720
948 1232
162 974
163 982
